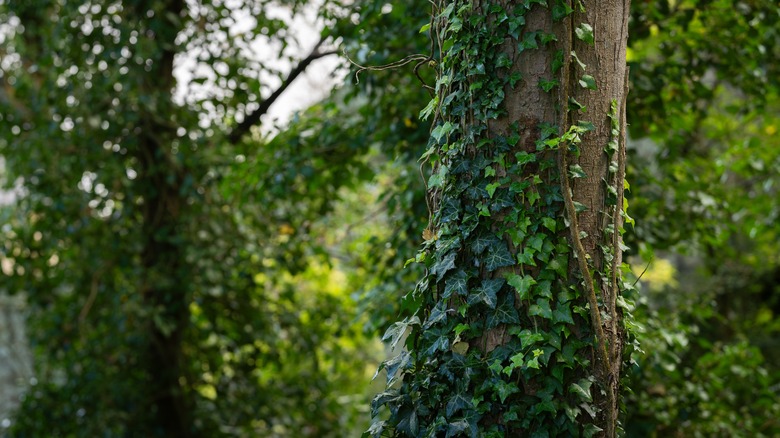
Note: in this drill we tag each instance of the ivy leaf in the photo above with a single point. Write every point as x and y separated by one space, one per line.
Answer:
580 207
529 41
428 110
505 389
541 308
484 241
487 293
517 361
450 210
442 266
547 84
455 428
536 241
562 313
526 257
576 171
560 10
376 429
504 313
438 179
409 423
459 401
560 264
528 338
575 106
438 313
397 330
590 430
456 283
491 188
438 338
585 33
521 283
498 256
544 289
549 223
581 389
396 364
525 158
588 81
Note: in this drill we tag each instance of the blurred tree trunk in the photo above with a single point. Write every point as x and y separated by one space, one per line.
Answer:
165 282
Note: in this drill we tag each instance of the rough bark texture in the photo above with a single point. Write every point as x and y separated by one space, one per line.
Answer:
606 62
527 105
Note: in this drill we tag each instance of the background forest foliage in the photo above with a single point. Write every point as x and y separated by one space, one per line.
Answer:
286 259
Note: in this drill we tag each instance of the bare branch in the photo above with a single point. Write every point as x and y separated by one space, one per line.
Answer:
254 117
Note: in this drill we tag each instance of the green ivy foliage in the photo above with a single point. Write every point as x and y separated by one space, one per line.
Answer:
489 193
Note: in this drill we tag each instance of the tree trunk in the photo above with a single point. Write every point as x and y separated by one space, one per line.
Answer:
518 331
165 282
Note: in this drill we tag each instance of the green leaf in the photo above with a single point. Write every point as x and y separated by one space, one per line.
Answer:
425 27
548 84
487 293
576 171
491 188
526 257
575 106
585 33
504 313
590 430
505 389
580 207
560 10
439 178
442 266
442 130
541 308
582 389
438 313
484 241
428 110
456 283
396 331
549 223
525 158
528 338
396 364
459 401
498 256
588 81
456 428
562 313
521 283
536 242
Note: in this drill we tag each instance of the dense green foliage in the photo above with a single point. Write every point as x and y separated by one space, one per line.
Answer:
281 235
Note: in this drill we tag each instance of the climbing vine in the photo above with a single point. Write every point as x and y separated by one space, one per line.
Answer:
518 329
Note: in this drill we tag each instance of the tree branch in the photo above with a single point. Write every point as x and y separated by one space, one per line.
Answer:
251 119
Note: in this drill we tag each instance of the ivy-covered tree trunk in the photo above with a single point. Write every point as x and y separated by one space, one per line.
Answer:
519 329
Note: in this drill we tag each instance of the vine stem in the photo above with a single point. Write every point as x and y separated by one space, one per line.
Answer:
581 254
